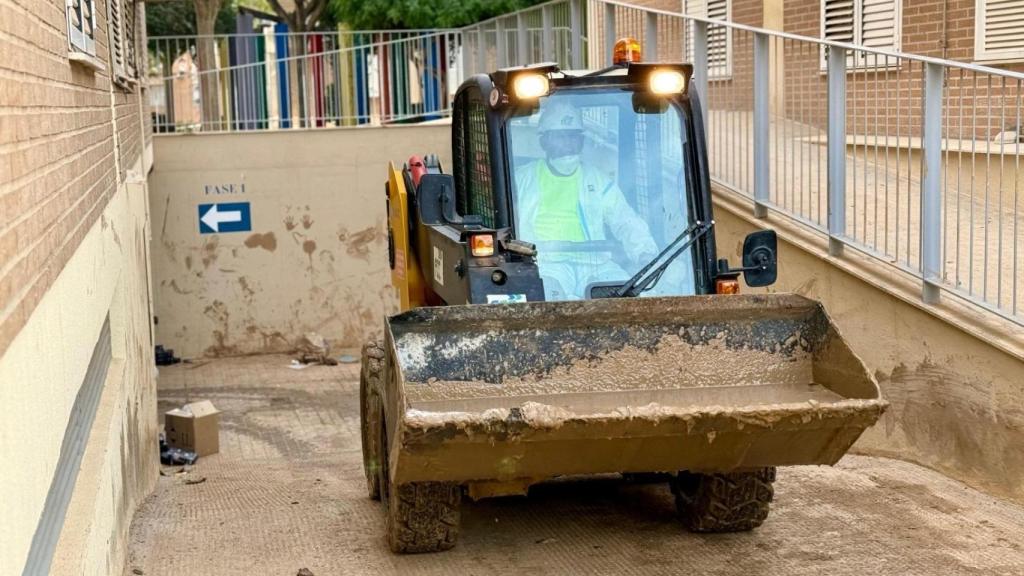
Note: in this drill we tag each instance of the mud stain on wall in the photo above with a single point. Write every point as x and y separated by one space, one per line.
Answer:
244 283
309 246
221 317
289 223
209 251
188 263
307 221
266 241
271 340
956 420
163 226
359 244
174 286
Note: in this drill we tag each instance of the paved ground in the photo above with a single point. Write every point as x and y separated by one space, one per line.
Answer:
287 492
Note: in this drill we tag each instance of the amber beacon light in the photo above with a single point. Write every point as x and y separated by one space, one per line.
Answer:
626 50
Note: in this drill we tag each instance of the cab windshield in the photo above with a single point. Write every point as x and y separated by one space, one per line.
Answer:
601 189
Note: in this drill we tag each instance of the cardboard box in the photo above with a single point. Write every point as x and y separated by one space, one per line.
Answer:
195 427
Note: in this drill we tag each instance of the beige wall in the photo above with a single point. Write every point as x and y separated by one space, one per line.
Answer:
316 258
40 374
73 250
957 401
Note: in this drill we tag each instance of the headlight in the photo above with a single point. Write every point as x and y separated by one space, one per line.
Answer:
528 86
667 82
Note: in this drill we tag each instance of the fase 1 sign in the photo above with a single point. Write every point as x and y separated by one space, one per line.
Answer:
224 217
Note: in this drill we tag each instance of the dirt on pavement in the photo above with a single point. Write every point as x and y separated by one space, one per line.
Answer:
287 492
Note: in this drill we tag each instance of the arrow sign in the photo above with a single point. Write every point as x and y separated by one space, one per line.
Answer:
225 217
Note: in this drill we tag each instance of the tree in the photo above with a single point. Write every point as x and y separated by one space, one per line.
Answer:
203 18
206 20
179 19
303 16
405 14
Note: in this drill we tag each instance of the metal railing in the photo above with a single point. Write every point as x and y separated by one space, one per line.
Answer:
913 160
278 80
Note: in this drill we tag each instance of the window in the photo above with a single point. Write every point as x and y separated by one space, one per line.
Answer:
871 23
999 30
121 19
82 26
474 190
601 195
719 37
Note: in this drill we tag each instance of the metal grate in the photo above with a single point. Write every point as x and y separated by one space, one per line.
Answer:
480 189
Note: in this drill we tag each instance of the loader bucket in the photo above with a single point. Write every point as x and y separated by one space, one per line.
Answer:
499 397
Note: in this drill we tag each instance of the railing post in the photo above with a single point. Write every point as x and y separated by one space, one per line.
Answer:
609 34
501 44
548 40
700 67
836 149
762 105
576 34
481 52
931 178
651 37
522 41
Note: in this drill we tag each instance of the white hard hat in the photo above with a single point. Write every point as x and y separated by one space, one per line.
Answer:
559 116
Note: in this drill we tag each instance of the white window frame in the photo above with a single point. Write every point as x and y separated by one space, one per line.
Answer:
866 60
980 53
715 72
78 40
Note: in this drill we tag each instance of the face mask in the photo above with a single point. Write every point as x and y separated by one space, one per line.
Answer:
565 165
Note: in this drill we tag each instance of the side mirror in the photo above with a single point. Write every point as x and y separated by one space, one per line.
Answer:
760 258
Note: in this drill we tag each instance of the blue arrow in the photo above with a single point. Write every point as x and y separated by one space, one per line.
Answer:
228 217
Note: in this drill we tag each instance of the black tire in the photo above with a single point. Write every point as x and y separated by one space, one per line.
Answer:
732 502
419 516
370 409
423 517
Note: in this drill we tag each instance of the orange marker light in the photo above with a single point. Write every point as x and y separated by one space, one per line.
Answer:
727 286
481 245
626 50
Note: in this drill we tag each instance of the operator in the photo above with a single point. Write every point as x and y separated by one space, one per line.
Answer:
562 200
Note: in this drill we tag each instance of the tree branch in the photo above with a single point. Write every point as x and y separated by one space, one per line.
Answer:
314 13
279 10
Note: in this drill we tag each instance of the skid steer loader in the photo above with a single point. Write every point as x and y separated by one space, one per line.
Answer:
564 313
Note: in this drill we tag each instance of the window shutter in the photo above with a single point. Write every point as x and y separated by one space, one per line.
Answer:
115 36
130 22
870 23
879 27
719 40
81 16
719 37
121 31
999 29
837 23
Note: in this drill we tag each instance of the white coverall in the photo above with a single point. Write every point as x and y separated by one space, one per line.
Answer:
601 206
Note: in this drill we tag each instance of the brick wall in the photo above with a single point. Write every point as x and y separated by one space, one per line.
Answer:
57 149
883 100
888 101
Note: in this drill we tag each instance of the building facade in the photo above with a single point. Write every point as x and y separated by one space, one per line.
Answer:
76 374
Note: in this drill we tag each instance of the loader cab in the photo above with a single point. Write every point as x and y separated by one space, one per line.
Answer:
640 167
